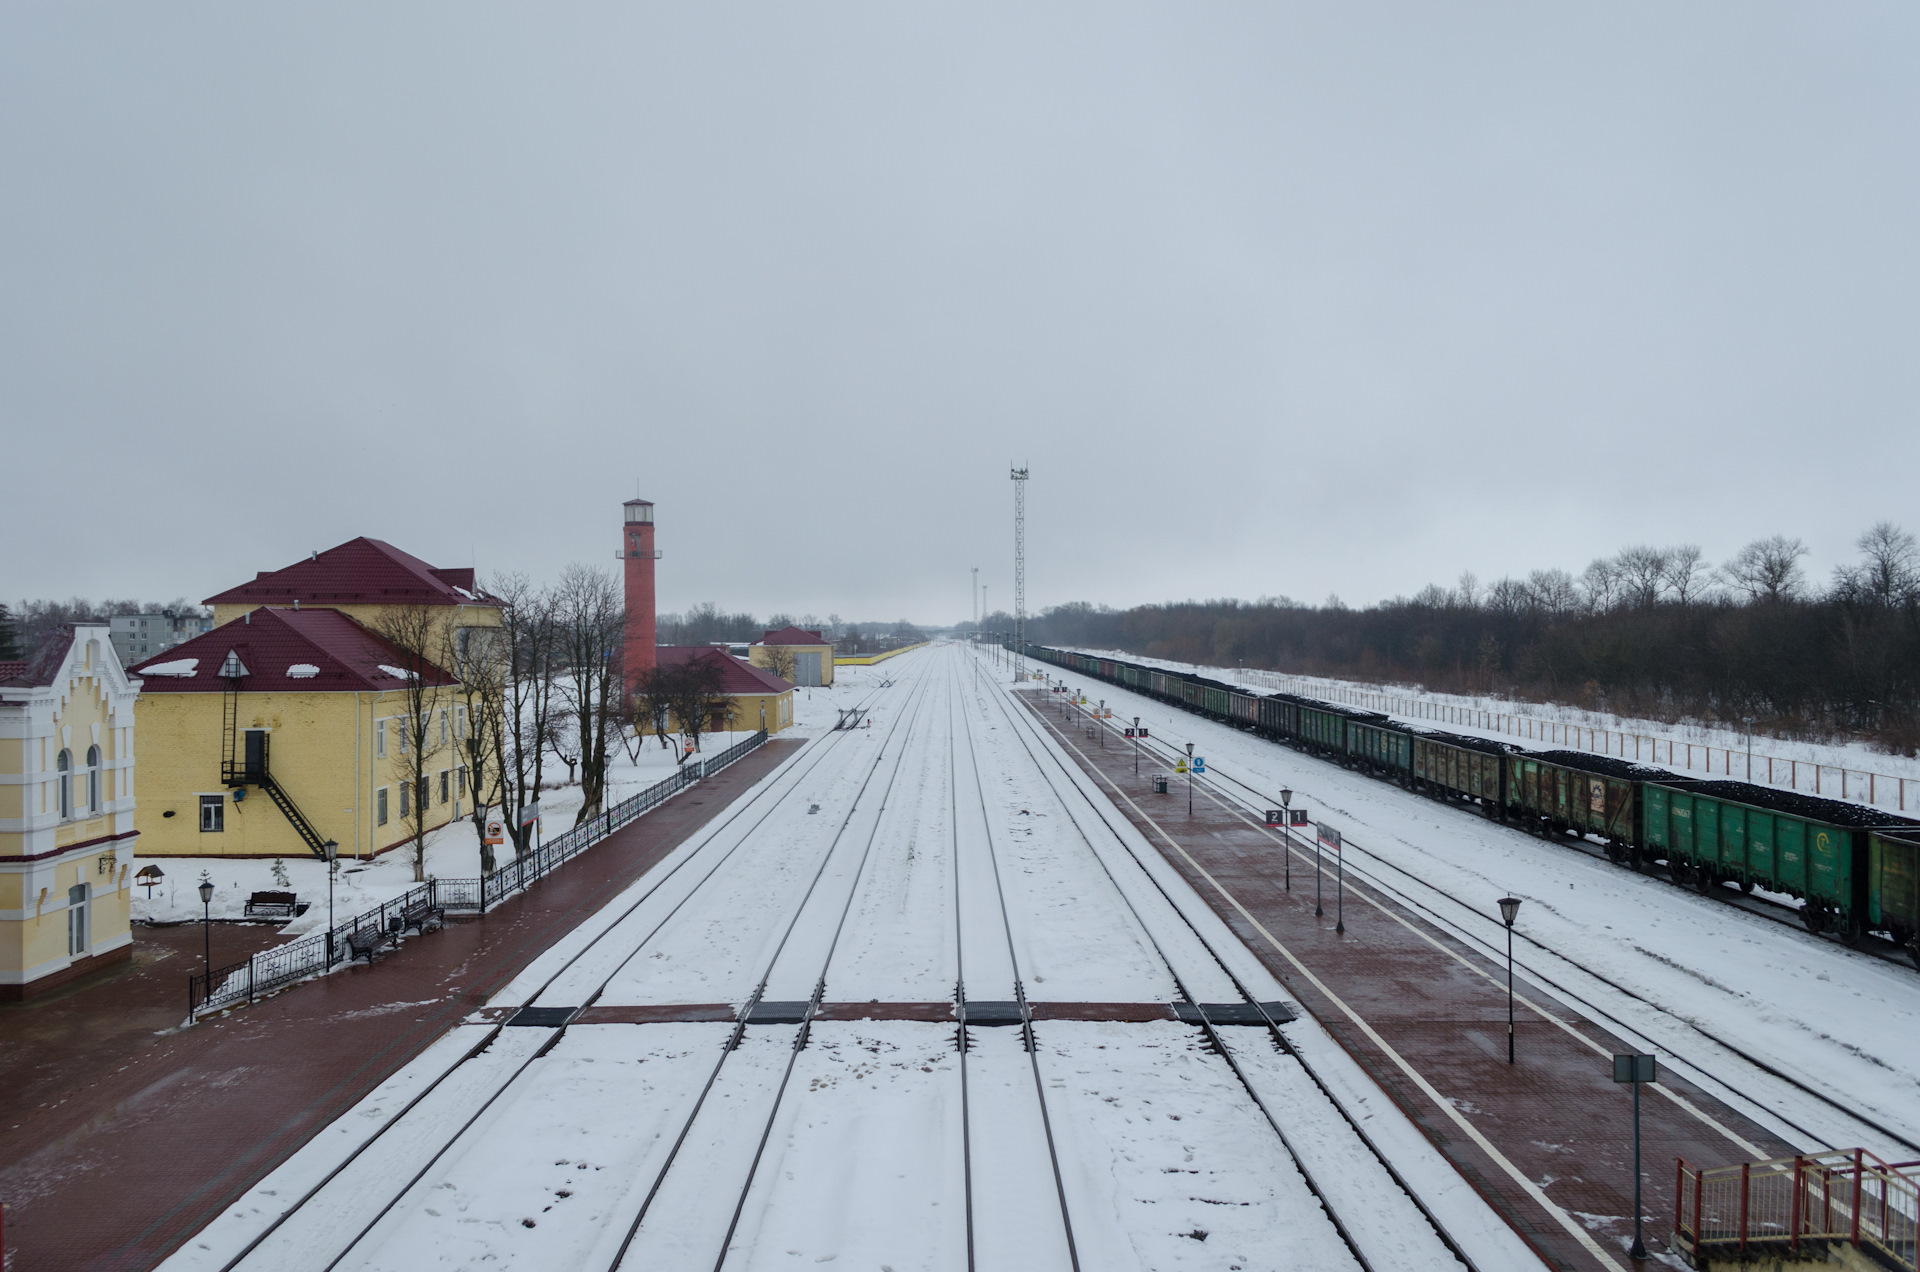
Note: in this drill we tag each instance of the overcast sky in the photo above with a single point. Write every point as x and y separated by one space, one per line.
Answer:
1272 299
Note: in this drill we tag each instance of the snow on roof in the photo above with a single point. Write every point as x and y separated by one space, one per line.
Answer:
320 650
172 667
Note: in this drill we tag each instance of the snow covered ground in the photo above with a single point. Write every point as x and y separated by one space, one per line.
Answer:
947 851
1813 767
1722 993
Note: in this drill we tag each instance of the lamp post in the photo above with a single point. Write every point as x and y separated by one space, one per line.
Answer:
1635 1068
1189 779
1136 746
1339 886
1749 723
1319 911
206 928
332 850
1103 726
1509 908
1286 835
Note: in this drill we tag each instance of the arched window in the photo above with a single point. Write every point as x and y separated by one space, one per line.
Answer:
93 779
63 763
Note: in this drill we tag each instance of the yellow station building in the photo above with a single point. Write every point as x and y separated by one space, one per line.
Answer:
285 726
807 655
66 811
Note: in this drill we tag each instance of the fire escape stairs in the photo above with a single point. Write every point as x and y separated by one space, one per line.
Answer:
242 766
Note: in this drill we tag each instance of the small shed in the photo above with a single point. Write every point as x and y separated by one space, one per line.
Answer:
811 656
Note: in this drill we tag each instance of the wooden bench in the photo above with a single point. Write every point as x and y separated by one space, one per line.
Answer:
367 942
421 917
272 905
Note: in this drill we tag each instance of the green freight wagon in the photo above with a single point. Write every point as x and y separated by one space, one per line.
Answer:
1893 887
1816 849
1571 792
1450 766
1382 746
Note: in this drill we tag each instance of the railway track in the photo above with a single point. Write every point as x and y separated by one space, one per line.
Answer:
1025 730
714 1159
279 1242
1485 935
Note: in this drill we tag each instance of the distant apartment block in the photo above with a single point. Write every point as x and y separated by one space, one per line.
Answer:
138 637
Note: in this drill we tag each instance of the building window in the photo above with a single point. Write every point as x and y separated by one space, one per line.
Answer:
460 781
64 764
93 779
77 919
213 813
380 739
443 726
460 721
380 806
406 799
445 779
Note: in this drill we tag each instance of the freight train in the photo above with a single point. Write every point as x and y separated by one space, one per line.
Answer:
1856 869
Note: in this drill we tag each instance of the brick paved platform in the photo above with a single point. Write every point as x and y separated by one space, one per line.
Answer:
1556 1116
117 1167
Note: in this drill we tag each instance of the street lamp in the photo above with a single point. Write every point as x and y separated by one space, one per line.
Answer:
332 850
1749 723
1286 835
1509 909
1136 746
1189 779
206 928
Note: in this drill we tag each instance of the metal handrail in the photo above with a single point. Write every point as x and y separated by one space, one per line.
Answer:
320 952
1794 1203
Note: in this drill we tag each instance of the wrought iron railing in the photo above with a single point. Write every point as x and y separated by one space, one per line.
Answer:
319 952
1800 1204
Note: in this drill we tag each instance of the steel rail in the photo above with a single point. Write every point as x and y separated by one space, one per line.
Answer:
793 769
1269 1024
819 987
1019 987
1704 1072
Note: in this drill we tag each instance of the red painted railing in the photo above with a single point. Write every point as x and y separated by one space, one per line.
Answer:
1790 1204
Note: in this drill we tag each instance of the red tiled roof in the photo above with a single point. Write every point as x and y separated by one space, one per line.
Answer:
358 572
735 676
44 666
794 636
345 657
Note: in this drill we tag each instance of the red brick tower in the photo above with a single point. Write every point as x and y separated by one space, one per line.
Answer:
636 549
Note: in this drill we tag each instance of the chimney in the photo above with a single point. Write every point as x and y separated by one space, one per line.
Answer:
638 553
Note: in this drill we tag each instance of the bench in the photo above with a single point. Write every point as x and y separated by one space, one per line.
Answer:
271 905
367 942
421 917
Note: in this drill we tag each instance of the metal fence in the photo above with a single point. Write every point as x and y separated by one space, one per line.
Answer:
1795 1204
319 952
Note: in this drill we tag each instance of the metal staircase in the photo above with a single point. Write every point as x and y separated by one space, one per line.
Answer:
246 765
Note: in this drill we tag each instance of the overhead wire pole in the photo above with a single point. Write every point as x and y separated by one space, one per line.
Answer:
1019 574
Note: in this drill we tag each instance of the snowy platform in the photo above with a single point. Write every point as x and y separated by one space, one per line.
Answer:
1770 1041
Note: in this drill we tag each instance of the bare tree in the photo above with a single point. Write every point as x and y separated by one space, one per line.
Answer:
1889 572
1766 569
653 703
561 739
1554 591
694 690
1642 572
1466 594
414 632
592 626
476 657
529 658
779 661
1600 583
1687 572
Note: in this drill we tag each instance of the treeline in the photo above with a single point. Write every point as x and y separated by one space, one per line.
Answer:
708 624
1650 632
24 625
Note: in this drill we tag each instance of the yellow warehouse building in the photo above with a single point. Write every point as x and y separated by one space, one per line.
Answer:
67 826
